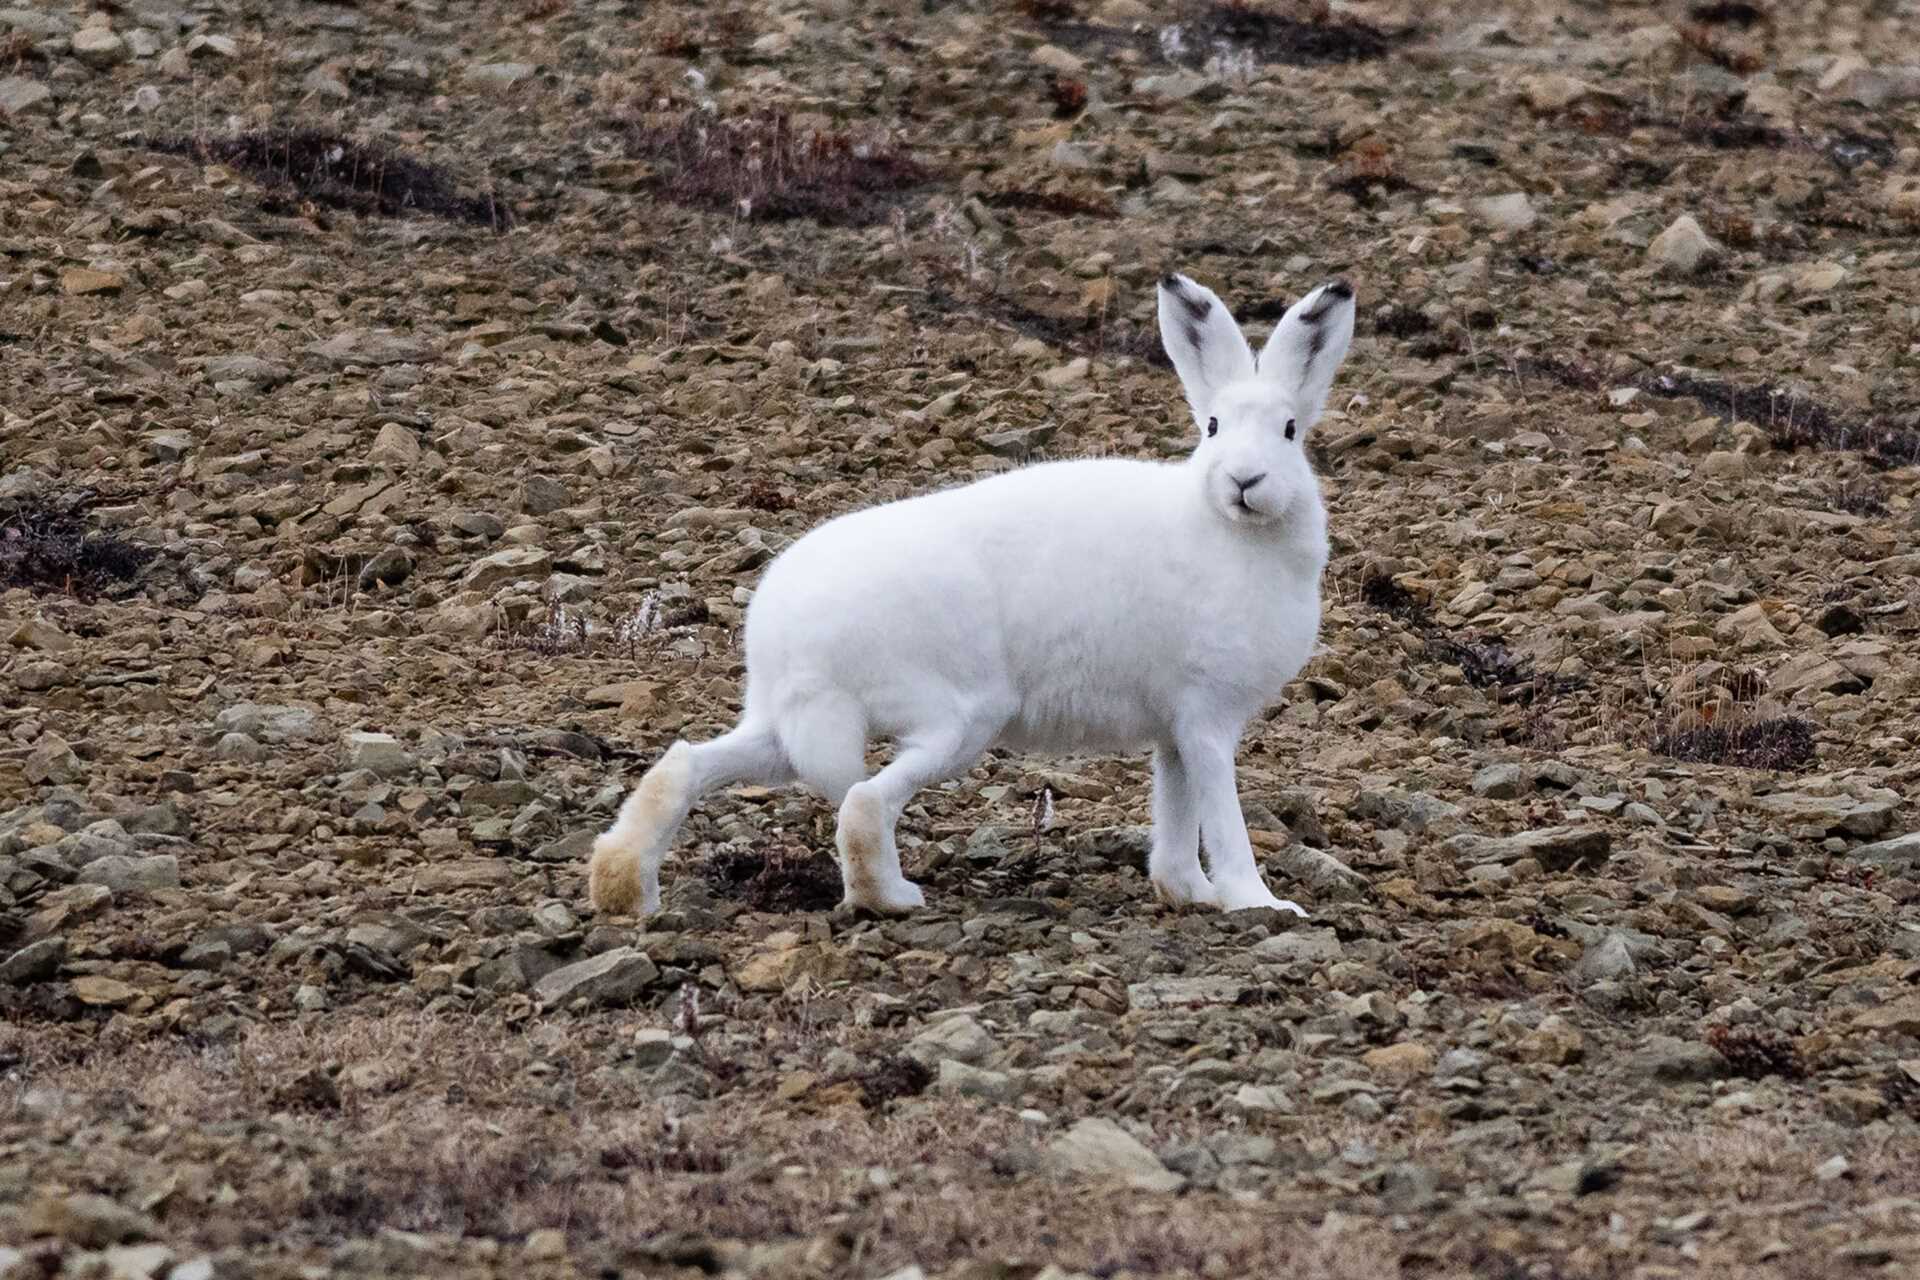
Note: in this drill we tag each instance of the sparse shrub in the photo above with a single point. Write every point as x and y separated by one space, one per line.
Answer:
1756 1051
561 632
777 878
1069 95
45 546
1780 743
763 166
332 170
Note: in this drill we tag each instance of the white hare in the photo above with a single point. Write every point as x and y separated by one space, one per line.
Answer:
1076 606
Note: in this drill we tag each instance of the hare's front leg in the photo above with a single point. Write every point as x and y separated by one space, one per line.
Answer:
1237 884
1174 863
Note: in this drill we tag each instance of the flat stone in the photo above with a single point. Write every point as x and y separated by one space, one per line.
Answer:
1866 816
1900 1016
1555 848
1316 946
19 95
1895 856
372 347
35 962
123 874
1184 993
270 722
610 978
382 753
1098 1150
81 281
497 75
99 47
509 565
960 1038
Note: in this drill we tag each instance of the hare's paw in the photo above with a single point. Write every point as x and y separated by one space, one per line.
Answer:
1244 896
869 862
1182 889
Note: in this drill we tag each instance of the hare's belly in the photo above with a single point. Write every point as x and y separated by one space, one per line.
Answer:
1085 715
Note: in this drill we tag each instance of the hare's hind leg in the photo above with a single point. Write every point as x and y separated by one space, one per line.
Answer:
624 875
869 858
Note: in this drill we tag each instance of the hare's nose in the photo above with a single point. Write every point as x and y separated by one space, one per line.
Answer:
1248 482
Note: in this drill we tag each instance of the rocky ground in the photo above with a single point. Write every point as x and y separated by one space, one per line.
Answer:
398 401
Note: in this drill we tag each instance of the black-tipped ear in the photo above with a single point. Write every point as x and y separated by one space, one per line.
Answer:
1308 345
1202 339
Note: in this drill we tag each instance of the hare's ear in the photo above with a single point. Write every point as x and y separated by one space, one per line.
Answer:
1203 341
1308 345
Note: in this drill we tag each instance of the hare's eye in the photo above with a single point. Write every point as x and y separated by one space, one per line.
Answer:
1289 428
1213 426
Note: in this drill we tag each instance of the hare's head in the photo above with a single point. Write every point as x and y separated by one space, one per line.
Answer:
1254 412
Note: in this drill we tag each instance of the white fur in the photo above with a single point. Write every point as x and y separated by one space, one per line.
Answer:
1083 606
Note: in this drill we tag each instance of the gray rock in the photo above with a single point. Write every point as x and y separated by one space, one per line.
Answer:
1413 810
245 368
543 495
99 47
497 75
1261 1099
960 1038
271 722
1098 1150
508 565
380 753
35 962
1607 960
372 347
1184 993
1316 946
1896 856
1666 1058
1683 247
1865 816
40 24
573 847
610 978
19 95
1502 782
961 1080
392 566
1555 848
122 874
239 748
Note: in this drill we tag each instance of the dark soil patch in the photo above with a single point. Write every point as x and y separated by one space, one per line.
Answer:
45 546
890 1079
1735 14
1780 744
1240 26
1792 422
1236 31
1063 204
1083 334
335 171
762 166
1402 322
1485 661
780 878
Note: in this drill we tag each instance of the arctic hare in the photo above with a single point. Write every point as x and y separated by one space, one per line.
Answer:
1069 607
